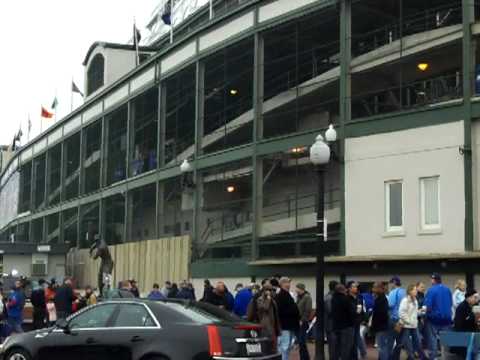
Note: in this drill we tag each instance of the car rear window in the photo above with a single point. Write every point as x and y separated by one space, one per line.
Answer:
201 313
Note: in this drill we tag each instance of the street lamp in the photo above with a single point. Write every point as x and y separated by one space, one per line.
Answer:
187 177
185 167
320 156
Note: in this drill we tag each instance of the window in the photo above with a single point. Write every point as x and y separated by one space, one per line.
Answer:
95 74
394 206
96 317
132 315
430 203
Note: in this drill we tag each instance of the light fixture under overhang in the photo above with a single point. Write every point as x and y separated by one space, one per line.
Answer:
233 92
423 66
298 150
230 189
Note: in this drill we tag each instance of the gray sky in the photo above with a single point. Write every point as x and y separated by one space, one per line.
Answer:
43 46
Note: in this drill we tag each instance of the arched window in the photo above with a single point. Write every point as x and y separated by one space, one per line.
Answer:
95 73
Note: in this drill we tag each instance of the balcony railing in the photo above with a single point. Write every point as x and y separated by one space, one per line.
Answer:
289 222
431 19
415 94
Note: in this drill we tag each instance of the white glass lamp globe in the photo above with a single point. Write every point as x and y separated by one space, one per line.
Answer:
320 152
331 134
185 167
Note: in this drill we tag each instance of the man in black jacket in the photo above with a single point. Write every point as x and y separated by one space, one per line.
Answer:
39 306
343 316
380 321
289 318
359 345
64 299
465 318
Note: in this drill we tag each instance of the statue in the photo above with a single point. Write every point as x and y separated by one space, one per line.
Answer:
99 249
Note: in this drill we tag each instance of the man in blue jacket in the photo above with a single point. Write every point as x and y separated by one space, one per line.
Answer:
242 299
438 301
15 305
394 298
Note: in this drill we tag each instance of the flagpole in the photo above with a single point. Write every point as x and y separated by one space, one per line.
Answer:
171 21
135 41
71 96
56 108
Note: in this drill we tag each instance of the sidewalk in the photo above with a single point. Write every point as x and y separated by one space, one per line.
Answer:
372 353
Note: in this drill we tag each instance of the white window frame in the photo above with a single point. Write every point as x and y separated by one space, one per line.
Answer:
388 228
423 225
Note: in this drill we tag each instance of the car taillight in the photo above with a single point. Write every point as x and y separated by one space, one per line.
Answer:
215 343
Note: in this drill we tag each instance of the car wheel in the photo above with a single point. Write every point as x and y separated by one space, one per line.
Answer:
18 354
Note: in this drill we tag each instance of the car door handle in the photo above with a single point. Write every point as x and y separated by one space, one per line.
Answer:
91 341
136 339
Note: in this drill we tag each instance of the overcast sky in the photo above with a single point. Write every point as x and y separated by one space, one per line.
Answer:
43 47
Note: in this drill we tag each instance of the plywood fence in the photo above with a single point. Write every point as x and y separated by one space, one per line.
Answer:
146 261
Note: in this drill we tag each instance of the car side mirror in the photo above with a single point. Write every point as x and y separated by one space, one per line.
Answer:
63 325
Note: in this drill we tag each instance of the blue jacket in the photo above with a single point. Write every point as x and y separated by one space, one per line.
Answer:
156 295
16 303
394 299
230 300
439 305
186 294
242 299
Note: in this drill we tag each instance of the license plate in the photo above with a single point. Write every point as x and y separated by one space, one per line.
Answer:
254 349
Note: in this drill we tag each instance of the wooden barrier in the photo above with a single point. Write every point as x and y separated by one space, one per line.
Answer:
147 261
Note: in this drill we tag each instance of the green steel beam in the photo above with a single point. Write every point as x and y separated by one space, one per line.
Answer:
468 68
257 164
225 157
405 120
345 102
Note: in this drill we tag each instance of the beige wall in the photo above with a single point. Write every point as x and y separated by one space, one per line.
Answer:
476 182
406 155
147 262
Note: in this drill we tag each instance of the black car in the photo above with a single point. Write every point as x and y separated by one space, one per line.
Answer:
144 330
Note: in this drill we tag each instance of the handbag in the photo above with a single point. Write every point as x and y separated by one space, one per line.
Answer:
398 327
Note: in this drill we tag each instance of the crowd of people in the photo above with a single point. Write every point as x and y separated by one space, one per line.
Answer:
50 301
392 317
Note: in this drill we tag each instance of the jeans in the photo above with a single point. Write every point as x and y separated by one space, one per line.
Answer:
285 342
15 324
396 340
360 342
432 332
344 344
331 340
302 342
411 343
385 344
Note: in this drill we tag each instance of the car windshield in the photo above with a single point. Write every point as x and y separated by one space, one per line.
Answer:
202 313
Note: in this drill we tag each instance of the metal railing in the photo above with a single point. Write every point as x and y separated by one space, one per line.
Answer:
230 231
423 21
411 95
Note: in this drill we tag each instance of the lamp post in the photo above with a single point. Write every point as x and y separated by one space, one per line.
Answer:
320 156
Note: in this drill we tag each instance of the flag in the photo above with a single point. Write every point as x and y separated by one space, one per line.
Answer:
75 89
167 13
137 36
46 114
55 103
16 139
29 124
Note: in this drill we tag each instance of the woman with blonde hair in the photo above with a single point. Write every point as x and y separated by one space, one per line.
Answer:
459 293
408 314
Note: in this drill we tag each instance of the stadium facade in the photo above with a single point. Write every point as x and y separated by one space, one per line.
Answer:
242 95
